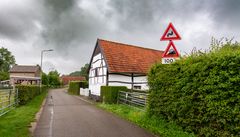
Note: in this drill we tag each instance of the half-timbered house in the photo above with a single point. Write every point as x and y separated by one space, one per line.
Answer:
117 64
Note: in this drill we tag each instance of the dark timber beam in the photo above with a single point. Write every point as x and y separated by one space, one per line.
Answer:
132 81
107 78
127 82
129 74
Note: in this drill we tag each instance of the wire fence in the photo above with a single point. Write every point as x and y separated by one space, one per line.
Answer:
135 99
8 100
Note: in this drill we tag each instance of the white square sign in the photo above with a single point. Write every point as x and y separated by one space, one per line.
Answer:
168 60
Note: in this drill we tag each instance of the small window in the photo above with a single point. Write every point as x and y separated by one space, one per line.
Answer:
137 87
96 72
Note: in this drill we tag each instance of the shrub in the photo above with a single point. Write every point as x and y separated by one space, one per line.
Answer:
83 84
74 86
28 92
109 94
200 93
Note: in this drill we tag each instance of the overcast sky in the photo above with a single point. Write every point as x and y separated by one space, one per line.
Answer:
71 27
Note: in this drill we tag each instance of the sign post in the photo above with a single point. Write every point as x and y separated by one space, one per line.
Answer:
170 54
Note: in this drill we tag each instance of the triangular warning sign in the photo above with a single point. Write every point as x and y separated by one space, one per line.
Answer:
171 51
170 33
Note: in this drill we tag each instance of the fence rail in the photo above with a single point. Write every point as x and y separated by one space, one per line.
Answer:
8 100
133 98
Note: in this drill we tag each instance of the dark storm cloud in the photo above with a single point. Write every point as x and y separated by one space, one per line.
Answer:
17 21
134 14
59 6
71 27
66 25
226 12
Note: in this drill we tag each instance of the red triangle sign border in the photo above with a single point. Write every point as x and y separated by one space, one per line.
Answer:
164 36
171 44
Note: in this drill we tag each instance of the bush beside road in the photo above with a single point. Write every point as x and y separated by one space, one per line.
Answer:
200 93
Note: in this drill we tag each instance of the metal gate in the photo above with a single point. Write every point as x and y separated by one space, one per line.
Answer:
8 100
133 98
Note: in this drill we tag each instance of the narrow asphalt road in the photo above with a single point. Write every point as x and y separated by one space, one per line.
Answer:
68 116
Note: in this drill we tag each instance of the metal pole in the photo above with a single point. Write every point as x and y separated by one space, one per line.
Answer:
41 71
41 67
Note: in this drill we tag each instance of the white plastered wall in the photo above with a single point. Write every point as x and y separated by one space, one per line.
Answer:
95 82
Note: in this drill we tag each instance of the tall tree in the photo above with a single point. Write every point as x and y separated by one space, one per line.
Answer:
6 61
51 79
45 80
84 71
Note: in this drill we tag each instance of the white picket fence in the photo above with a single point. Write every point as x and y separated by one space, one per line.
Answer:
84 92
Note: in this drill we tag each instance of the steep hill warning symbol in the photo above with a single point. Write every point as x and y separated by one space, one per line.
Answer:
171 51
170 33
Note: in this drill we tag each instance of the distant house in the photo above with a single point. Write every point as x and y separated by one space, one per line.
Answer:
66 79
24 74
118 64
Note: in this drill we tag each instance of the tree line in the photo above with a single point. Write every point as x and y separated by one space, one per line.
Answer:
52 79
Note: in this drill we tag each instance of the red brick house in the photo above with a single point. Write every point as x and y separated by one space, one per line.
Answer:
66 79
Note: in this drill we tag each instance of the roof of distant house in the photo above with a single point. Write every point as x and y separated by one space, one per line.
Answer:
125 58
24 69
66 79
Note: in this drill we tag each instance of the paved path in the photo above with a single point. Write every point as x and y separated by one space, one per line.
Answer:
68 116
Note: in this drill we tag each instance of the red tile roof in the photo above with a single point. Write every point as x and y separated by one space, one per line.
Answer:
67 79
124 58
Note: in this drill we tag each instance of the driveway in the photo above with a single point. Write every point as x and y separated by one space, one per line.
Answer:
68 116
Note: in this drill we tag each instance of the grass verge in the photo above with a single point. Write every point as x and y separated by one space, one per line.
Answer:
16 122
155 125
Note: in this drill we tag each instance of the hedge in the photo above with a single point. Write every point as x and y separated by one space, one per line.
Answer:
28 92
201 93
74 86
109 94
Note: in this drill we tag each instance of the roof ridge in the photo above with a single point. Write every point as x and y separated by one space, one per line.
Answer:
131 45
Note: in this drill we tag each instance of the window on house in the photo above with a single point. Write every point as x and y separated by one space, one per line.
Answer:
136 87
96 72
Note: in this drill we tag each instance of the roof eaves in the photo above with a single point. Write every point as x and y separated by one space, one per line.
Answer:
104 57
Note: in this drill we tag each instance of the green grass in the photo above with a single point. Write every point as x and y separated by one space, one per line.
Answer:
16 122
155 125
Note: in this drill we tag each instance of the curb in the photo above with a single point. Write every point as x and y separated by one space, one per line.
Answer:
33 124
83 99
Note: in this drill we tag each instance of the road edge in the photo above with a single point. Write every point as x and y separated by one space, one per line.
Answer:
114 114
33 124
